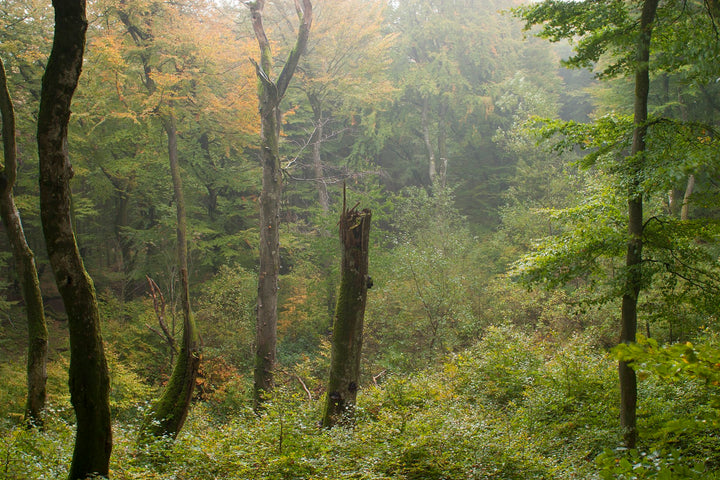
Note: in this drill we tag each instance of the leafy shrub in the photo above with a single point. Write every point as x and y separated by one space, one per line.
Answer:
499 369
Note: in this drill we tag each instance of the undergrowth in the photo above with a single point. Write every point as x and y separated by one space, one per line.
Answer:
510 408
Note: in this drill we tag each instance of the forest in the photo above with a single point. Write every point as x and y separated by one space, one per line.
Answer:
360 239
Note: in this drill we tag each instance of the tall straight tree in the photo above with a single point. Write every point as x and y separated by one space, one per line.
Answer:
89 380
25 263
270 93
629 43
334 78
633 259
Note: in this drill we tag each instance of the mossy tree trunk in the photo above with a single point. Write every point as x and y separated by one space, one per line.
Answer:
25 264
88 375
347 332
633 260
168 413
269 95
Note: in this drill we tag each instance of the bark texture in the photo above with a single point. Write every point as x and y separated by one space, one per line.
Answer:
633 261
269 95
88 375
24 263
167 416
347 333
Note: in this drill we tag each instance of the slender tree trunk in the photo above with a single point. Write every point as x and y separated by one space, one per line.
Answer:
685 210
269 95
349 315
122 188
425 121
168 414
25 264
633 283
674 205
442 143
317 139
213 193
88 375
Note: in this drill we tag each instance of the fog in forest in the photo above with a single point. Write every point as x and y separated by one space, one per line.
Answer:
362 239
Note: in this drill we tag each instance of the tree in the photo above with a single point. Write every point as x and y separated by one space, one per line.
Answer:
270 93
25 264
345 80
452 59
621 32
89 380
634 258
167 415
347 333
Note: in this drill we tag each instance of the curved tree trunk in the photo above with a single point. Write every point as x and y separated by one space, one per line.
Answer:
269 95
25 264
168 414
633 262
349 315
89 382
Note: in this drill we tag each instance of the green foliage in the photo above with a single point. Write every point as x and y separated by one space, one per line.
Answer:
513 407
504 365
225 312
422 301
680 413
573 400
626 465
30 454
597 28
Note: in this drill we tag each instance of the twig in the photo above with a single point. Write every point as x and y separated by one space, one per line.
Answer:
310 399
375 377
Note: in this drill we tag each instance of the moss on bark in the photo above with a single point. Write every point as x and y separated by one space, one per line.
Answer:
88 373
167 415
25 264
347 336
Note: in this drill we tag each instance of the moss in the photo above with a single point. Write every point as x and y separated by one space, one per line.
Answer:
349 314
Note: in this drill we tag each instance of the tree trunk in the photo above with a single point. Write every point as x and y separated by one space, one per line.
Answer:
432 163
168 414
122 186
269 95
317 139
442 143
88 375
685 210
349 314
633 282
25 264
